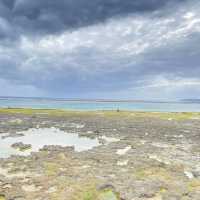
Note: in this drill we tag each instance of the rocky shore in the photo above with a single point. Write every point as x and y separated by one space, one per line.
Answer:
140 156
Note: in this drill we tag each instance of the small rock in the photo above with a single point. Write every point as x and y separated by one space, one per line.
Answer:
106 187
30 188
21 146
189 174
109 139
122 163
123 151
52 190
97 131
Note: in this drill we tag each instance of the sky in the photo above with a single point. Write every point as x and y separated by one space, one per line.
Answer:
108 49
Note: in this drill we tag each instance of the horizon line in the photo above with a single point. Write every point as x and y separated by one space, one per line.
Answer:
92 99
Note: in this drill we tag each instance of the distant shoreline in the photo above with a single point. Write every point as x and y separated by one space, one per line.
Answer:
97 100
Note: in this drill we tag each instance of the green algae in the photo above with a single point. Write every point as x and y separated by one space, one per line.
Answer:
93 194
194 185
108 195
51 169
153 173
112 114
90 192
90 195
21 147
50 112
25 148
2 197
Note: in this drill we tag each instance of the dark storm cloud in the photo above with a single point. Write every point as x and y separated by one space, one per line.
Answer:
51 16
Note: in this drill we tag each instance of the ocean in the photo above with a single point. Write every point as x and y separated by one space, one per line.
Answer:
98 105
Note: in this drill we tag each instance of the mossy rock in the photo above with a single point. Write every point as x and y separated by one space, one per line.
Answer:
21 147
51 169
194 185
153 173
103 195
92 193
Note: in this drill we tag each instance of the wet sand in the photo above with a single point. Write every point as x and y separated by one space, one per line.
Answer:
138 156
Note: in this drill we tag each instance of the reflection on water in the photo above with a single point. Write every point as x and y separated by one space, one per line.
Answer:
45 136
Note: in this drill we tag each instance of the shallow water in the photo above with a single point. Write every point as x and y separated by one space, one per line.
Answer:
93 105
45 136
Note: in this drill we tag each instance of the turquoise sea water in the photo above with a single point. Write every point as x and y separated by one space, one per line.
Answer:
92 105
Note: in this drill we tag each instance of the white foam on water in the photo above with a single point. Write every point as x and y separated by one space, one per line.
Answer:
45 136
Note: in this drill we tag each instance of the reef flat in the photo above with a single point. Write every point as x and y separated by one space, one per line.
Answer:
136 155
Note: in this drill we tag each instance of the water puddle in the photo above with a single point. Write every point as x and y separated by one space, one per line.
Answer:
37 138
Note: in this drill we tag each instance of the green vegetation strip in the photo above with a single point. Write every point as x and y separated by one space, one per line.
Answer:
128 114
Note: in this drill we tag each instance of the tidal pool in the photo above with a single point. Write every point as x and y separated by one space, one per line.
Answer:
45 136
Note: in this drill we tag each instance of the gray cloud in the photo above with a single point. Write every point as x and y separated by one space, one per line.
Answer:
50 16
139 47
